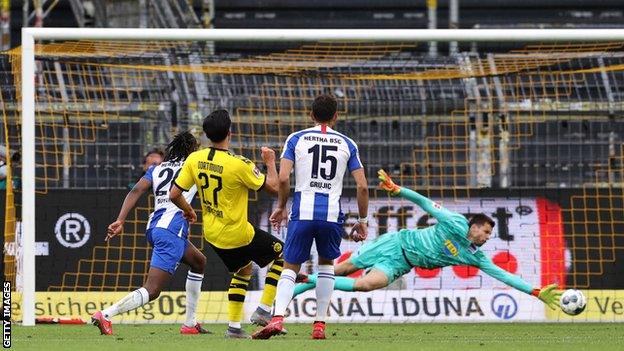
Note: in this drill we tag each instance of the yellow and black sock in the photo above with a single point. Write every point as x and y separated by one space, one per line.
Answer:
236 298
270 284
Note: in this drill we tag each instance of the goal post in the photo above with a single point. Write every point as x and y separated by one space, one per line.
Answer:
390 35
31 35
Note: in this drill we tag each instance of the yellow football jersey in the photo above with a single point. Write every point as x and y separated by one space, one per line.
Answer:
223 181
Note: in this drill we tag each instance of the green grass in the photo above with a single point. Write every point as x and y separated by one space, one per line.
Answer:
358 337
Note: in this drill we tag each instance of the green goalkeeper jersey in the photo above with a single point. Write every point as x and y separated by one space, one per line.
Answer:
446 244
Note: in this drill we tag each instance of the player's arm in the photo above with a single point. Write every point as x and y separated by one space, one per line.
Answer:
286 167
548 294
176 196
250 176
354 165
271 183
360 230
287 162
140 188
440 213
279 214
183 182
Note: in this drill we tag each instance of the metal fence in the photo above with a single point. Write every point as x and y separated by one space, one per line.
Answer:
546 116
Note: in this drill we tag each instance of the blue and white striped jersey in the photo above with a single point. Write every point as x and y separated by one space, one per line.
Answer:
321 156
166 214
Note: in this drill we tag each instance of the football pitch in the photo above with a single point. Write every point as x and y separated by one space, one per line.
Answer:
360 337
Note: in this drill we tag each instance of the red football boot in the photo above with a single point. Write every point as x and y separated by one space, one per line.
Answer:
197 329
275 327
318 331
105 326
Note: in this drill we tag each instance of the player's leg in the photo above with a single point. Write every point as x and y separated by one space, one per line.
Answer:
197 263
239 265
133 300
285 285
373 280
324 288
283 295
385 257
327 237
156 279
270 287
383 251
266 249
165 257
343 268
346 267
236 299
296 251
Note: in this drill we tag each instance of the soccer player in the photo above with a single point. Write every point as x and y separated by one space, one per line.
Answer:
167 232
320 157
452 241
224 180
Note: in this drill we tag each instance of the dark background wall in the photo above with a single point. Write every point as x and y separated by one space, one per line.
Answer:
379 14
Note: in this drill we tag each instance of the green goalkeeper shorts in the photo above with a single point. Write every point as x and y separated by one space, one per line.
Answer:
384 254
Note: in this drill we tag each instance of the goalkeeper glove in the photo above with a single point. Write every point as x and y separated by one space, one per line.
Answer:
387 184
549 295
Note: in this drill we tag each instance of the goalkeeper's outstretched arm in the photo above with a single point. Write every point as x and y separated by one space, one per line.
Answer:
548 294
488 267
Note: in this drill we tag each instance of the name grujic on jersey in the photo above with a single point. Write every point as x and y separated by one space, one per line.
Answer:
209 166
322 139
320 185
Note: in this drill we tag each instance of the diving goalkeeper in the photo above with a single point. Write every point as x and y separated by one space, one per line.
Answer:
452 241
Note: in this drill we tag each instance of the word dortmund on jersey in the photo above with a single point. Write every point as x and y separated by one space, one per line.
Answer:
223 180
166 214
321 156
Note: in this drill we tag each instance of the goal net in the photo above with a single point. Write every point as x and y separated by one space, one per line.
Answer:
530 134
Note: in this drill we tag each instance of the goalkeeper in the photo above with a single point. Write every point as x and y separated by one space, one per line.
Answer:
452 241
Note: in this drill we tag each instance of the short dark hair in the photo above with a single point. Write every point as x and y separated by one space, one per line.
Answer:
324 108
217 125
481 219
155 150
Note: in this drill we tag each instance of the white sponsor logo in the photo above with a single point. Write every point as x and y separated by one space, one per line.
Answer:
399 306
72 230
